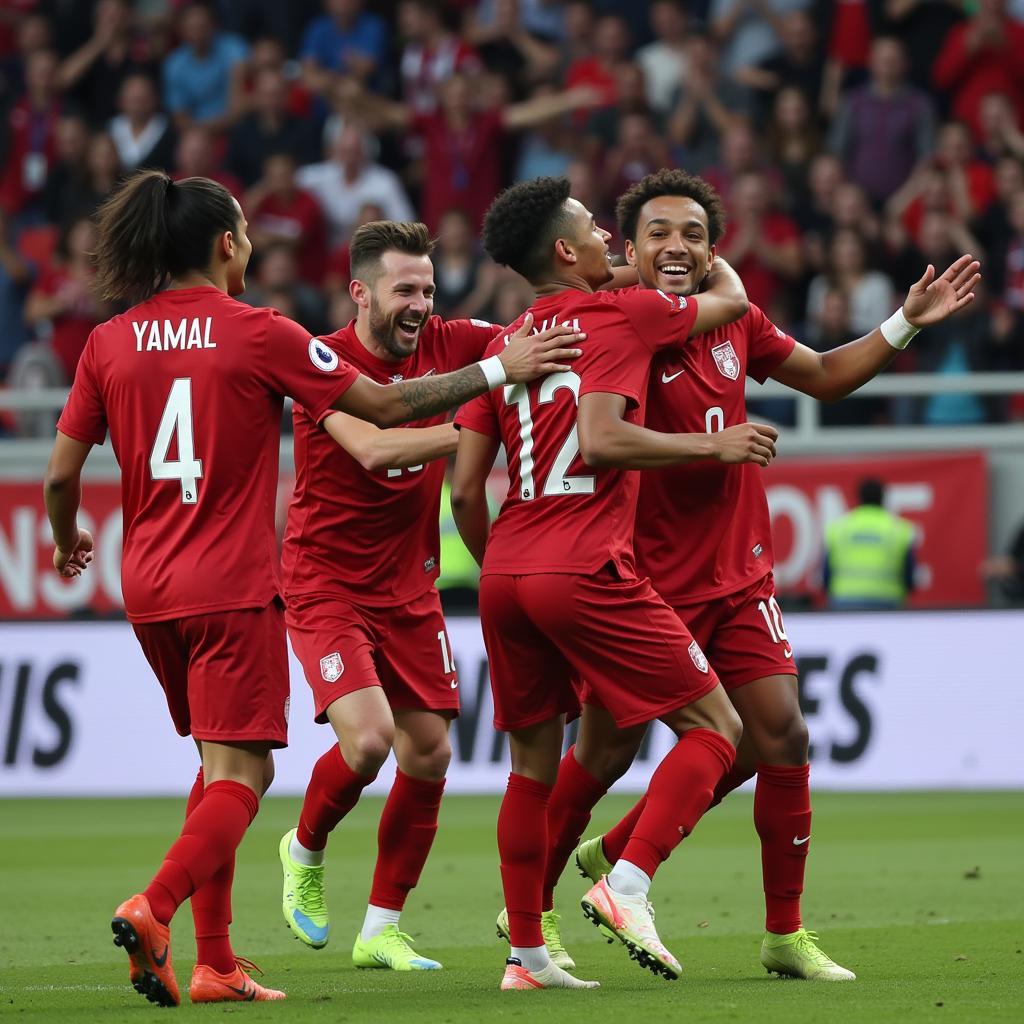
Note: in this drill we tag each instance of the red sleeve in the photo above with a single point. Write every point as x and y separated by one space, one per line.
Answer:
952 61
305 368
466 341
767 345
480 415
616 358
85 417
659 318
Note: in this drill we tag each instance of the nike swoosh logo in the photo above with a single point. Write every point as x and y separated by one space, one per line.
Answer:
800 842
248 994
160 960
666 379
789 653
455 684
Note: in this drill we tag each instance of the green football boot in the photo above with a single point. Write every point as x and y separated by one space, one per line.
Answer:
798 956
552 937
304 908
591 861
392 950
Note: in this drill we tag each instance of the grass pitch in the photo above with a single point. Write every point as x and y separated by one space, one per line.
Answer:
921 894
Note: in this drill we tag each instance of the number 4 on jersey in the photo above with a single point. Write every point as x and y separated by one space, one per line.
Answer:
176 422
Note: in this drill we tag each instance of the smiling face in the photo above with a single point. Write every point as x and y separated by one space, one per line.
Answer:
396 302
672 251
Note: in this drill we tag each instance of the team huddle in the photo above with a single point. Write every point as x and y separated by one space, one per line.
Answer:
618 596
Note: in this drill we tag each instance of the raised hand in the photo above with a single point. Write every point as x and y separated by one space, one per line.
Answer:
73 563
527 355
746 442
932 299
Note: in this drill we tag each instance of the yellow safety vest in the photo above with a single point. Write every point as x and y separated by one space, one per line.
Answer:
867 556
458 566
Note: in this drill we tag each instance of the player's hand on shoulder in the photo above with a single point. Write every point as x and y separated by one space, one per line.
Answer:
527 356
73 563
746 442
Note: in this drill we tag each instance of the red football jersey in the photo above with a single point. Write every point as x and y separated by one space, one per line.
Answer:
372 537
561 515
191 385
702 528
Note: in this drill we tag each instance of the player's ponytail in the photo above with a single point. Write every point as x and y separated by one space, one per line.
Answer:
153 229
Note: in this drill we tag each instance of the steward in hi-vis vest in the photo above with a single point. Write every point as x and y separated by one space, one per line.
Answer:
869 555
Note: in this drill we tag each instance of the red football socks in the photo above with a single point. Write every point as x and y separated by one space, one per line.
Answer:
575 795
615 839
680 791
333 791
782 817
211 905
406 832
523 848
208 840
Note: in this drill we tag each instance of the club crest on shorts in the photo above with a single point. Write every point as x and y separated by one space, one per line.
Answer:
726 360
331 667
697 656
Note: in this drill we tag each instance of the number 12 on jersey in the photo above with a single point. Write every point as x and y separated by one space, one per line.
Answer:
556 481
176 423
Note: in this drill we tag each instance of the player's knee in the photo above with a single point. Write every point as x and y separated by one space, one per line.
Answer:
366 753
785 743
430 762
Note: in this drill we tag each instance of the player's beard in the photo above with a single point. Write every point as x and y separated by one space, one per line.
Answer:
384 331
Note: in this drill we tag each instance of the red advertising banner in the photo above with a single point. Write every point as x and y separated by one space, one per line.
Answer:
945 496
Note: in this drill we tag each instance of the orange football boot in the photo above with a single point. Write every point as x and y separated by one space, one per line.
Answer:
148 945
210 987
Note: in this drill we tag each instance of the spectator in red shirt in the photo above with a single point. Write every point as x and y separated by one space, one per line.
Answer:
31 127
62 306
983 55
598 69
463 145
761 244
431 55
281 212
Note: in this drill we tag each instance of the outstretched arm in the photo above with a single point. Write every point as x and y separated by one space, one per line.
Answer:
396 448
473 462
606 439
62 492
525 357
830 376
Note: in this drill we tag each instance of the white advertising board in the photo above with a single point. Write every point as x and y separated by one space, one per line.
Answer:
897 701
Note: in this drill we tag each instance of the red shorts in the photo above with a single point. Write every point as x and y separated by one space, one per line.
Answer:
543 632
742 634
224 674
405 650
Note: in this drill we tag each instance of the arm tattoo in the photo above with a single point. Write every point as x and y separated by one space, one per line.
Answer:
426 396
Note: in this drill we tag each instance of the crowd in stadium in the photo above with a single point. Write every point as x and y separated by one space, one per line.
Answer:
852 143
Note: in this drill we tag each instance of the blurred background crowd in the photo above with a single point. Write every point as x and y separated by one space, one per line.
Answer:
853 141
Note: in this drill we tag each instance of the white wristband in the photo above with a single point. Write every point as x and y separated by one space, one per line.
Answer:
494 371
898 330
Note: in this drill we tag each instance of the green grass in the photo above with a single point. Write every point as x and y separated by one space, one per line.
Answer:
892 888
